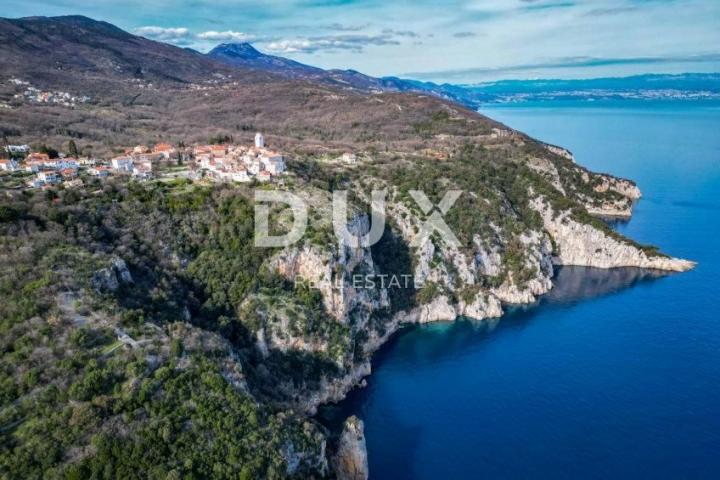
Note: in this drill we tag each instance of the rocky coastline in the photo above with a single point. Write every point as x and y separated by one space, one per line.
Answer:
562 241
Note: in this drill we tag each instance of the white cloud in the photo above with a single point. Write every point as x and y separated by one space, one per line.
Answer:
184 37
164 34
226 36
331 42
291 46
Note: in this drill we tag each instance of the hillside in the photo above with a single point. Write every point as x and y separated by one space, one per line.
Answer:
245 55
48 49
143 332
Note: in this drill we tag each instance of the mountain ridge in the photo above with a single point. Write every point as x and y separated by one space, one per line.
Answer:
245 54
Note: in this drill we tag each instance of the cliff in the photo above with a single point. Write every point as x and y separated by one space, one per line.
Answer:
351 462
583 245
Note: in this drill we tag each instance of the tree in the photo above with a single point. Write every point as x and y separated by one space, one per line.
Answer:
5 147
72 149
51 152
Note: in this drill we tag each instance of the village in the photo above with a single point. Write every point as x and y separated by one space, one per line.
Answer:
35 95
213 162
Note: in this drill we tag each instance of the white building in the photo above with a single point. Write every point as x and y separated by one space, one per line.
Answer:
259 140
254 168
8 165
13 149
48 176
99 171
124 164
273 162
67 162
142 170
500 133
240 176
349 157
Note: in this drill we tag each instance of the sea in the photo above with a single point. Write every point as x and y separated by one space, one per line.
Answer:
615 374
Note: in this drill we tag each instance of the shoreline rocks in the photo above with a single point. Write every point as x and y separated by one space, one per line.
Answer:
583 245
351 460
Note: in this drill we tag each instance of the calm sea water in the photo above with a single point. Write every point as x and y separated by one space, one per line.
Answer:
615 374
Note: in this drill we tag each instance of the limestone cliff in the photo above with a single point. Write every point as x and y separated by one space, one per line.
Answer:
350 461
582 244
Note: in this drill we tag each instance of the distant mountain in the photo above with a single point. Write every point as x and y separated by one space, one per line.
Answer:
639 87
247 56
684 81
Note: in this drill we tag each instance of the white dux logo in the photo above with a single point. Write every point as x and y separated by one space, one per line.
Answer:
433 223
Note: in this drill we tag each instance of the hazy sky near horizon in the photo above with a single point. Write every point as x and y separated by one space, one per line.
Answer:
457 41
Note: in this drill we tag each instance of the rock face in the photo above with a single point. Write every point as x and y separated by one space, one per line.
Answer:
563 152
617 195
109 279
454 270
437 310
538 259
584 245
626 188
351 461
311 460
331 271
440 309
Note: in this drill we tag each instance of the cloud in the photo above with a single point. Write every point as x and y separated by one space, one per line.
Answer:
226 36
179 36
354 43
342 42
400 33
340 27
466 34
534 5
183 36
609 11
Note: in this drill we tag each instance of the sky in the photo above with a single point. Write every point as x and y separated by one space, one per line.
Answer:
455 41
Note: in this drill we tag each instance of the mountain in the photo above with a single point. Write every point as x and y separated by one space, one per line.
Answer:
51 49
78 45
651 86
684 81
245 55
640 87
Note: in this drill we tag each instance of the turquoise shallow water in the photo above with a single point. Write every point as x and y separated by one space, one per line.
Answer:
615 374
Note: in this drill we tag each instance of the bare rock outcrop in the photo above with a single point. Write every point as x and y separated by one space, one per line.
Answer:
582 244
108 279
351 462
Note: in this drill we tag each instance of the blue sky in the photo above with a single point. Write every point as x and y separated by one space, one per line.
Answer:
458 41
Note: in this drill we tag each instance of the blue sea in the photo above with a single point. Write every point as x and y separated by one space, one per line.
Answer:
613 375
